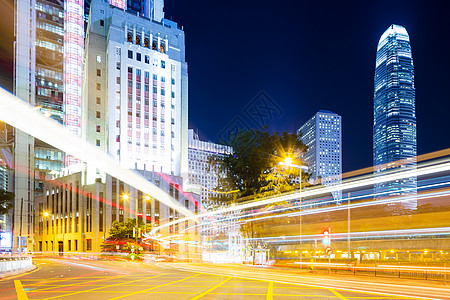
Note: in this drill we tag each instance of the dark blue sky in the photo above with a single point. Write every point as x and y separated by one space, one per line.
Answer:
311 55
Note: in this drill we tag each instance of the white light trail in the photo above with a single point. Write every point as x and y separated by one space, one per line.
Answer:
24 117
352 184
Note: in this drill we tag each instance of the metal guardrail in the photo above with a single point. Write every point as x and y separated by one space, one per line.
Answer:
10 265
407 272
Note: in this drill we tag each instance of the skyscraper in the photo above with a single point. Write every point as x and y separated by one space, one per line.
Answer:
135 68
394 125
322 135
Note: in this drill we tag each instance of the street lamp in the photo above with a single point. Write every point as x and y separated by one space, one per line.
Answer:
288 163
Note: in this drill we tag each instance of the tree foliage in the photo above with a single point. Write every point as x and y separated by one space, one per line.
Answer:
6 201
124 230
253 167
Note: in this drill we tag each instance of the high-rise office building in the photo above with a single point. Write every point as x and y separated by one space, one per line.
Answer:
394 125
201 172
322 134
39 70
135 90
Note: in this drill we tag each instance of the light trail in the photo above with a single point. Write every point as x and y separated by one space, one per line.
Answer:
24 117
431 168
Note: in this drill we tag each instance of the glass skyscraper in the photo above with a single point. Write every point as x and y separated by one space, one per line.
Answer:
394 126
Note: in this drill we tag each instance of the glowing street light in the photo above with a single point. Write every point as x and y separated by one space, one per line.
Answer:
288 163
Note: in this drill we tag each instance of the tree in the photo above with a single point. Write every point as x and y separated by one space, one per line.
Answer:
253 167
6 202
124 230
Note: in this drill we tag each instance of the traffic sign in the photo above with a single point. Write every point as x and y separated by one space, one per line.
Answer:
329 251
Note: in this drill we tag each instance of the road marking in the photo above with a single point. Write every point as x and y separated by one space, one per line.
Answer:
211 289
155 287
106 286
270 291
338 295
320 286
21 294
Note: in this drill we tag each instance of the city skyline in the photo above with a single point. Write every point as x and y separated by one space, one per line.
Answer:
334 60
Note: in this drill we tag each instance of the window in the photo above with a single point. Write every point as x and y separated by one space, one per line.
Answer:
155 77
89 245
155 90
130 54
173 94
97 142
99 86
102 22
99 72
99 59
118 80
163 79
118 65
138 56
163 64
97 114
173 80
147 59
163 92
99 101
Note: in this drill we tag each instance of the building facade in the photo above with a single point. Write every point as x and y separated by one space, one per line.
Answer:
135 69
394 125
72 216
323 136
204 174
201 172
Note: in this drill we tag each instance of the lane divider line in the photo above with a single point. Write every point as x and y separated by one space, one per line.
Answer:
337 294
155 287
270 291
21 294
210 289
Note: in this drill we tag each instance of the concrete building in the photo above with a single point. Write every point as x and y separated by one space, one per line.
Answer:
73 216
135 68
201 172
322 134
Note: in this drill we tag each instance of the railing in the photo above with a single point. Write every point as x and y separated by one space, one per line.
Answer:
406 272
11 265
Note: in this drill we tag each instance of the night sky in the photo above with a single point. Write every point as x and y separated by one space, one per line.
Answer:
307 56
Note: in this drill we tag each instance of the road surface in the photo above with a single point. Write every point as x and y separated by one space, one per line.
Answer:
72 279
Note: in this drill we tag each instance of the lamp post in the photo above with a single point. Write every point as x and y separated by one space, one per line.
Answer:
125 197
46 214
288 163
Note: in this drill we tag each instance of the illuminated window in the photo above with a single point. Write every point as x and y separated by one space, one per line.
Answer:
162 48
147 59
99 59
138 40
146 43
98 130
129 38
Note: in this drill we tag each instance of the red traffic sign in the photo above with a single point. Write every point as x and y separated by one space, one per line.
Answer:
329 251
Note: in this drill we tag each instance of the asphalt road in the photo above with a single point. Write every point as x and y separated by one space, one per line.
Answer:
69 279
